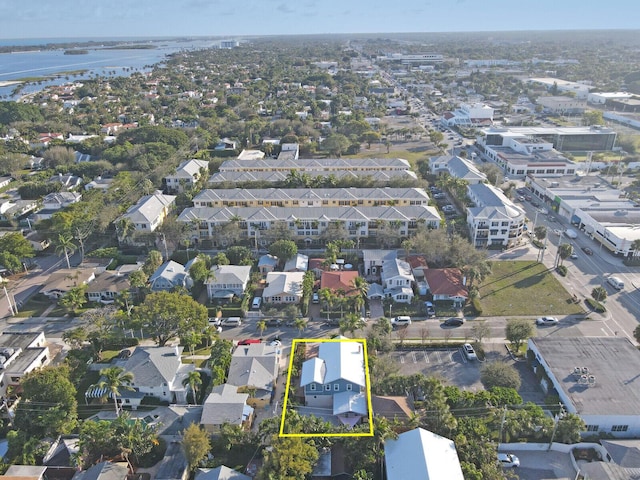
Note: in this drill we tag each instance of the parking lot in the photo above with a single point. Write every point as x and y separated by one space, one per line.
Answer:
449 364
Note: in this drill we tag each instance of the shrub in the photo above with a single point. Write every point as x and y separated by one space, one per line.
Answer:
596 306
499 374
562 270
477 305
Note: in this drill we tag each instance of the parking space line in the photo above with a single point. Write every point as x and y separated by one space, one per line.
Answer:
438 356
413 356
464 357
401 358
426 357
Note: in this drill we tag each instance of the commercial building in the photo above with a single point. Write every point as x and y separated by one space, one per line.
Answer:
563 139
474 115
586 374
580 90
561 105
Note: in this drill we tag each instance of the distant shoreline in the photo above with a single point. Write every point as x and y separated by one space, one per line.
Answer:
9 83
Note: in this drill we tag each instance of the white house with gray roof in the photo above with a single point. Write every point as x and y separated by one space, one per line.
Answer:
158 372
308 223
397 280
494 219
254 369
170 275
225 405
227 281
186 175
457 167
149 213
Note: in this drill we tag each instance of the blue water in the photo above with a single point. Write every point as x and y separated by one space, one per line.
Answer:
97 62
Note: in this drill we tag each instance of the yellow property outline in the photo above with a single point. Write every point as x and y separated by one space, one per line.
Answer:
366 381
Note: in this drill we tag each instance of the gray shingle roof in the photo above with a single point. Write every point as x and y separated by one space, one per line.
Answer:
153 366
224 404
149 208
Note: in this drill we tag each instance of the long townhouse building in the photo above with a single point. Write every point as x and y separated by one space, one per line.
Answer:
274 170
307 223
311 197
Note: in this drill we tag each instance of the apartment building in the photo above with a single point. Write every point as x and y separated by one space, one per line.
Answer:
494 220
311 197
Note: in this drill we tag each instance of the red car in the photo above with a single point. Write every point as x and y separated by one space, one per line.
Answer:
249 341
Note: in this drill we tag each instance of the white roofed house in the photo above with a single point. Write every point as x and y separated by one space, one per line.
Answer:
54 202
283 287
299 263
107 286
335 379
457 167
146 215
20 353
397 280
157 372
422 454
186 175
227 281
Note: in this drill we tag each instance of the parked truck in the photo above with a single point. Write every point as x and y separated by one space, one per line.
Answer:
571 233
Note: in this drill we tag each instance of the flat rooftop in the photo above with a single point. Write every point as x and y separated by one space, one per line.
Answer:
540 159
520 131
574 183
616 390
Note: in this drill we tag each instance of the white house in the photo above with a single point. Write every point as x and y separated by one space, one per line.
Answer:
283 287
170 275
149 213
20 353
227 281
186 175
457 167
397 280
422 454
157 372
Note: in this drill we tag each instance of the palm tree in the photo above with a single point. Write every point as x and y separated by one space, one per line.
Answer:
125 228
635 246
362 287
64 244
112 380
193 380
564 251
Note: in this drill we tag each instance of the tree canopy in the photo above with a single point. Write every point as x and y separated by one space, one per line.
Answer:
167 314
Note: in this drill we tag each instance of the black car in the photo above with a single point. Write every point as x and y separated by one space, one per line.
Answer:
587 250
273 322
453 322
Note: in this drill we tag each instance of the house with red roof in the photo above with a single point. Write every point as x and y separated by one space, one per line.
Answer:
418 264
447 284
341 280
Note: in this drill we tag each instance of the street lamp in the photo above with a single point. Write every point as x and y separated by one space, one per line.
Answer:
4 287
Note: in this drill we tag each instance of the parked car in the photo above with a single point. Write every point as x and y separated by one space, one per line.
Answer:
453 322
215 322
587 250
469 352
508 460
616 283
401 321
315 298
573 256
439 196
431 310
232 322
547 321
273 322
249 341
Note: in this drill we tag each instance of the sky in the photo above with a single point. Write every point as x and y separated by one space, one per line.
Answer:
235 18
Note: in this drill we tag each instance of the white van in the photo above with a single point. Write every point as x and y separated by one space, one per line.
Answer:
615 282
232 322
257 301
401 321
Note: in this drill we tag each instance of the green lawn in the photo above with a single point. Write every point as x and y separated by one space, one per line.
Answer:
524 288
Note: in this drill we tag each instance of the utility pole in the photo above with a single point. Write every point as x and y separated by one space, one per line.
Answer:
556 419
4 286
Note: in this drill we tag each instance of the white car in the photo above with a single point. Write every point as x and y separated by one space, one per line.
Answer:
508 460
573 256
469 352
547 321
